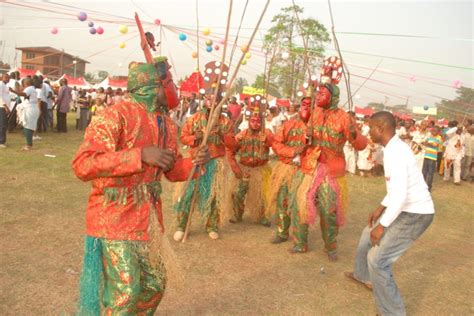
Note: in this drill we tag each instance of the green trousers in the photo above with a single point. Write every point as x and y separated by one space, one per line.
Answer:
211 223
283 216
132 286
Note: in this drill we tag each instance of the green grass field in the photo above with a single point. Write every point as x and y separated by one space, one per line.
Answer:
42 209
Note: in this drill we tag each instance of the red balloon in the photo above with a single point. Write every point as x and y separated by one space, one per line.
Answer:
100 30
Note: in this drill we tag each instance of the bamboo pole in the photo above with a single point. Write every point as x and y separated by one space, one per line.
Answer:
215 114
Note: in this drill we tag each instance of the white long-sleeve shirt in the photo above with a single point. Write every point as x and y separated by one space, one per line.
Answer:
406 188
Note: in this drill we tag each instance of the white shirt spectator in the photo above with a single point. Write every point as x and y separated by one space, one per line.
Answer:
454 146
5 95
406 188
47 90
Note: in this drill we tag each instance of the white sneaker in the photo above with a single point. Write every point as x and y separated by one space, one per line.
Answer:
3 146
36 138
213 235
178 235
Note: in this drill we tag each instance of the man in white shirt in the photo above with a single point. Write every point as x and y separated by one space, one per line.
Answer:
467 140
4 108
404 214
453 154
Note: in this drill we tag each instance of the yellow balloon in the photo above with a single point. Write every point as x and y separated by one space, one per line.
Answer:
122 45
123 29
248 55
206 31
244 62
194 54
244 48
209 42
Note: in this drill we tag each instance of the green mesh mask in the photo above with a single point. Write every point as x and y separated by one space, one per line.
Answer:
334 97
142 84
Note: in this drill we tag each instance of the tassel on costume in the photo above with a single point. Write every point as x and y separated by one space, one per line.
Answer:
91 278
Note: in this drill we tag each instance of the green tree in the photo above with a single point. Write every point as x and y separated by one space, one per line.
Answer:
459 108
239 85
102 74
260 83
285 36
90 77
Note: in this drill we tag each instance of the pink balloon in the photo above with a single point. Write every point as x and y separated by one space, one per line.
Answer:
100 30
157 21
82 16
222 41
457 84
54 30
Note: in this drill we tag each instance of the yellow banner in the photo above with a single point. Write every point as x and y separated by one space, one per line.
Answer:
252 91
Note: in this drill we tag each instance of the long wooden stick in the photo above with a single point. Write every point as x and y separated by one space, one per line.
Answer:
143 41
208 129
214 118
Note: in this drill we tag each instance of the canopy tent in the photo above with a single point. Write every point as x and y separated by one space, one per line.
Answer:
27 72
283 103
80 82
191 85
109 82
367 111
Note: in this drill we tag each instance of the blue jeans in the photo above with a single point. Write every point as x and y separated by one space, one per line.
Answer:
374 264
3 126
428 171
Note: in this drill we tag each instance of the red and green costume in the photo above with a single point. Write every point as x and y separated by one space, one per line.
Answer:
288 139
253 171
212 197
125 201
319 186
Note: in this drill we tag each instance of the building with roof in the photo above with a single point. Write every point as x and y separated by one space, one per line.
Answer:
51 62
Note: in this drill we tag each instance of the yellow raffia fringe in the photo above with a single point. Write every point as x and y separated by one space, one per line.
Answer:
301 197
161 253
342 182
256 200
282 175
222 190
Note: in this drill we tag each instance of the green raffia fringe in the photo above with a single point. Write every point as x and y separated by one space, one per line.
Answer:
205 193
91 278
141 192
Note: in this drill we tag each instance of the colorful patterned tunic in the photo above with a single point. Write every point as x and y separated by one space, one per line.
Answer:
221 136
123 187
288 138
330 133
254 147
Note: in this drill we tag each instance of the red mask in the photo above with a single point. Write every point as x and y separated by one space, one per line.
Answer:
305 110
255 123
323 98
169 87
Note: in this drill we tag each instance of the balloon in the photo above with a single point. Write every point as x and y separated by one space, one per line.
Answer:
222 41
285 55
412 78
157 21
248 55
123 29
209 49
209 42
122 45
120 65
426 108
91 24
54 30
216 47
100 30
244 62
457 84
206 31
194 54
244 48
182 37
92 30
82 16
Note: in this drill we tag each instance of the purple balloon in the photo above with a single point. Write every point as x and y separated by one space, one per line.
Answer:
82 16
91 24
92 30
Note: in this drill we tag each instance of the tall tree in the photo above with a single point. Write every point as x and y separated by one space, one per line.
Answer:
459 108
285 36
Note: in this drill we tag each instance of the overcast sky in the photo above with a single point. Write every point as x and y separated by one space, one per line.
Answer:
440 55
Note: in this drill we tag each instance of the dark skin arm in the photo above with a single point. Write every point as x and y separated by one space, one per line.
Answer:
165 158
376 233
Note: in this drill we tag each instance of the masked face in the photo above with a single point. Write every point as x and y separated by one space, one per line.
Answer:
305 109
323 98
255 123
